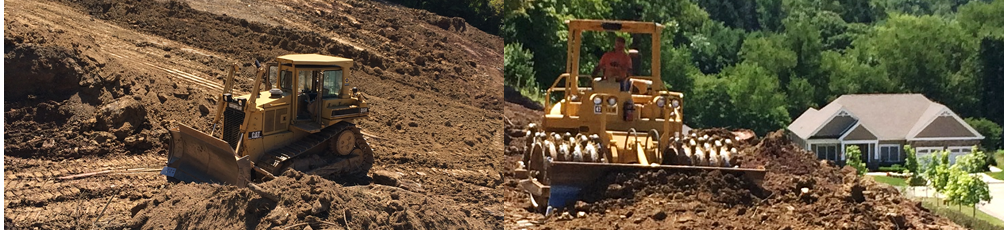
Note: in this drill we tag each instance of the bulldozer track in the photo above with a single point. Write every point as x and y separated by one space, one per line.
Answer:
338 166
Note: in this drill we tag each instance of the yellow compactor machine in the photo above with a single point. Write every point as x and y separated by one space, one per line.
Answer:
304 121
597 129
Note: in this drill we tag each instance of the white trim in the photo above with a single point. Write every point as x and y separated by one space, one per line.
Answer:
967 149
854 127
897 148
841 109
823 141
915 133
946 139
835 145
929 150
843 144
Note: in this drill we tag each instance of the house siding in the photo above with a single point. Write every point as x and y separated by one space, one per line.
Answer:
836 127
860 134
945 126
945 143
890 142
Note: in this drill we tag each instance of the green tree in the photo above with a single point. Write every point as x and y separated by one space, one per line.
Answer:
804 39
769 52
912 167
862 11
942 172
518 67
771 14
756 93
741 14
923 55
967 190
991 75
990 130
538 26
853 159
715 47
849 74
982 19
973 162
931 166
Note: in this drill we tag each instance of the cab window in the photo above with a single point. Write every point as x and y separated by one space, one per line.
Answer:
332 83
272 75
305 80
286 81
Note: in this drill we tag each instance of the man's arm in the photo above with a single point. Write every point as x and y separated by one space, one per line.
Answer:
601 62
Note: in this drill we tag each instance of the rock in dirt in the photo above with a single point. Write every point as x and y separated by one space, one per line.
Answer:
386 177
115 115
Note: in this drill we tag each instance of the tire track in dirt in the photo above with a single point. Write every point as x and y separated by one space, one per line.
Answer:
178 74
37 197
128 47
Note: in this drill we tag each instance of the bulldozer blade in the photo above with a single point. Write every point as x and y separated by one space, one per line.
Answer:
567 179
200 158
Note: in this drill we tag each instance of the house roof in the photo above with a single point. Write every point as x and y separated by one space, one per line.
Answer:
888 116
811 119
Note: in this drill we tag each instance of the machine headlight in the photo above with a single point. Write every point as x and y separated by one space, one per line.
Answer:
660 102
597 100
674 104
612 101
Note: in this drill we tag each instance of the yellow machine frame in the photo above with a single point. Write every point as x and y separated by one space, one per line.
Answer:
606 119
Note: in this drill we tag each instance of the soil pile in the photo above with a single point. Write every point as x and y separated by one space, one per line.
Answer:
304 200
798 192
93 86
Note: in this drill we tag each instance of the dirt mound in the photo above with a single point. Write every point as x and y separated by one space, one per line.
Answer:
304 200
40 69
798 192
144 66
777 154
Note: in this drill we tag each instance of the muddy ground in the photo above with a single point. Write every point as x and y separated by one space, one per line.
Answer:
92 86
798 192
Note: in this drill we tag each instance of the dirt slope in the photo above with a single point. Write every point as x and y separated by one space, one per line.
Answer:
92 86
836 197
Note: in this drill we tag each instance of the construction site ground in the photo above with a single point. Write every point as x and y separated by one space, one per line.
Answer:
798 192
92 86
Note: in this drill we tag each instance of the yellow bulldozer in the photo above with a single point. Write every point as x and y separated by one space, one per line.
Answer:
598 128
305 121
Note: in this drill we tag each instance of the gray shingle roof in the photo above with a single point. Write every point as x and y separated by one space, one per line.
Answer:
889 116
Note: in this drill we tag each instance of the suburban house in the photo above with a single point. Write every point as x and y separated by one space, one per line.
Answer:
880 124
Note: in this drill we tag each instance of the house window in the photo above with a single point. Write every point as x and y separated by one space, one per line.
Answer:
923 154
827 152
891 153
957 151
926 151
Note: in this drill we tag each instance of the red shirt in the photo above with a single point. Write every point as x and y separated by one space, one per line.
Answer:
616 64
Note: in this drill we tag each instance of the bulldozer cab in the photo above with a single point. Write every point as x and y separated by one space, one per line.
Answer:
314 84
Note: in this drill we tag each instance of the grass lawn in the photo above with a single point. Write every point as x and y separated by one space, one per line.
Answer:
961 217
897 182
999 175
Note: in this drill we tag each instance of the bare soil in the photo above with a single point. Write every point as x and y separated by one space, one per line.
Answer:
836 198
92 86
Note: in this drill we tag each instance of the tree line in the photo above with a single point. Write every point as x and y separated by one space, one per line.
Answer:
758 64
